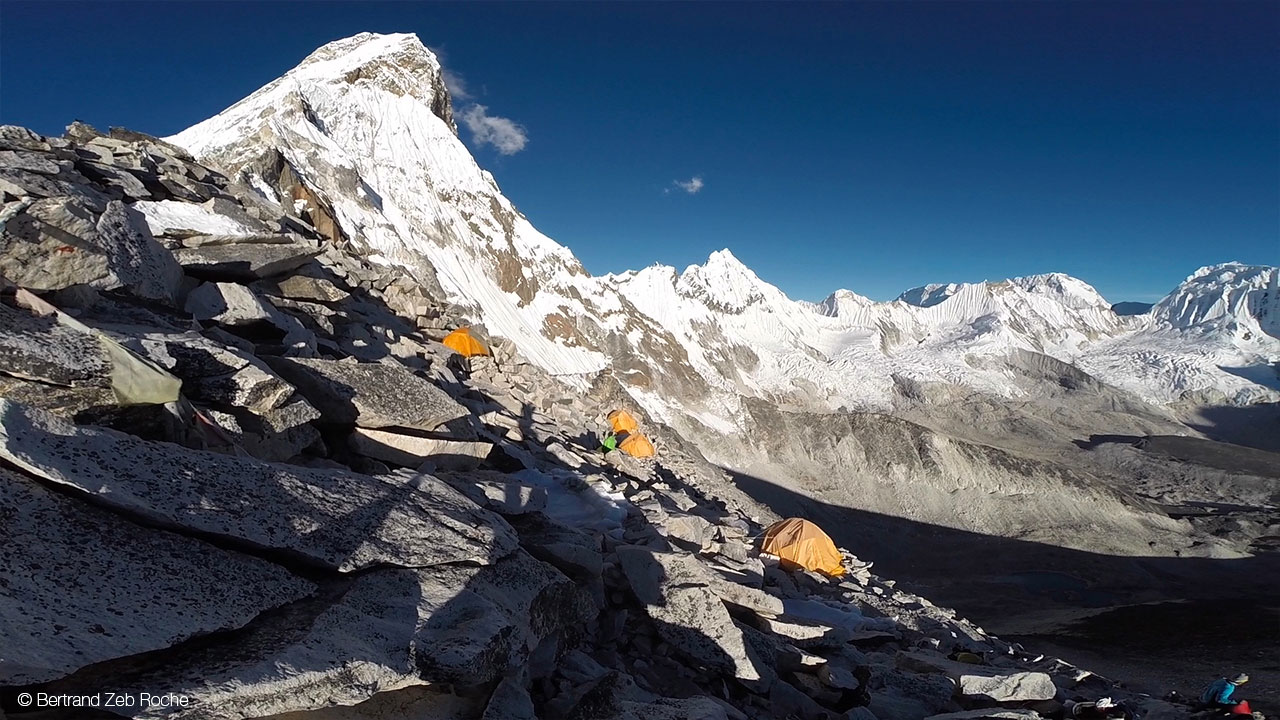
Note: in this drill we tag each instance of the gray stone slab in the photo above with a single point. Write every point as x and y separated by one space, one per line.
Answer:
143 267
342 520
301 287
675 591
372 395
228 304
387 629
82 585
243 262
413 451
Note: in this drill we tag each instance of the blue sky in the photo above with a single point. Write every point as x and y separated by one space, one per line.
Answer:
870 146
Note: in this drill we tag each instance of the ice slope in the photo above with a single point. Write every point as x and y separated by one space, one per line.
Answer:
928 295
366 123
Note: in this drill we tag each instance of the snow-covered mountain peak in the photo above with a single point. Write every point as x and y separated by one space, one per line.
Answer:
364 66
1070 291
360 134
1225 296
724 283
843 302
1063 288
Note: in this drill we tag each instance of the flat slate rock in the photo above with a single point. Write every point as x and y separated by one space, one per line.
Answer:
339 519
378 632
301 287
413 450
371 395
83 585
229 304
243 262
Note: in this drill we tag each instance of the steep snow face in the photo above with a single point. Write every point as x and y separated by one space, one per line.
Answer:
361 135
365 123
1231 296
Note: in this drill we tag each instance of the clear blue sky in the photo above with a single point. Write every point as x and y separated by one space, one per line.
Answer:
867 146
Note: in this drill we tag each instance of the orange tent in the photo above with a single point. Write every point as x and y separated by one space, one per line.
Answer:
460 341
623 422
800 542
637 445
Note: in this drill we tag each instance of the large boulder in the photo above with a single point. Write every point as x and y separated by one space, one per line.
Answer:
677 596
215 374
177 219
61 242
278 435
83 585
371 395
574 552
229 304
379 631
1011 687
510 701
336 519
38 347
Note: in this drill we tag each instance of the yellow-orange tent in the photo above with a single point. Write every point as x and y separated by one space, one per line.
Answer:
800 542
637 445
460 341
623 422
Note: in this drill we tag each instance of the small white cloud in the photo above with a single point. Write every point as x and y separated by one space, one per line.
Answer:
691 186
506 136
455 84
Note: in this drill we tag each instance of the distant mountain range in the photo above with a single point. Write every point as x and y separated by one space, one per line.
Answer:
360 137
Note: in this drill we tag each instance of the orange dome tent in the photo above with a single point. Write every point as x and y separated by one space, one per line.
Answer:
623 422
637 445
460 341
800 542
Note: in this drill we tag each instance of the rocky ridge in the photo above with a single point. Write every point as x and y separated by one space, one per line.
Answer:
237 465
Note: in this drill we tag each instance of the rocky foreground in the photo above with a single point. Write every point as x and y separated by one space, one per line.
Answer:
237 467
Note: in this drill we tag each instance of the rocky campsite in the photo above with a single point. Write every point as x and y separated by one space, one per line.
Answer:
244 473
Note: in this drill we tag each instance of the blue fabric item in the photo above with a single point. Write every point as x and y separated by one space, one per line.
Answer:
1219 692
